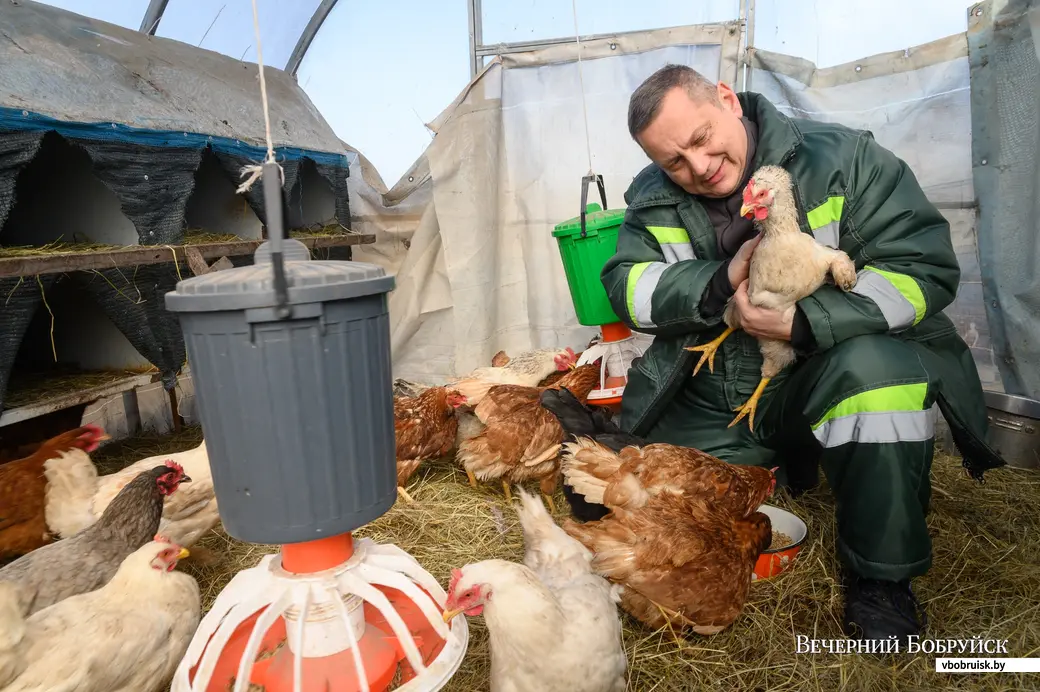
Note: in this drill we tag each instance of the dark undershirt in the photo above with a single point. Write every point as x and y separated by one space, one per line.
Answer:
732 231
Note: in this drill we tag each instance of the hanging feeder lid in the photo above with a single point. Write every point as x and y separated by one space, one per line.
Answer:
309 281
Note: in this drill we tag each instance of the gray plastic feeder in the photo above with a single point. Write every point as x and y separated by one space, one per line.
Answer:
293 386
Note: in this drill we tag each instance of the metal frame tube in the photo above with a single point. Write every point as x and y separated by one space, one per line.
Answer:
152 15
307 37
476 37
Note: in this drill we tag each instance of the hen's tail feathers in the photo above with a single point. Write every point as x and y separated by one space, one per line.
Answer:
547 547
579 420
588 466
473 389
72 482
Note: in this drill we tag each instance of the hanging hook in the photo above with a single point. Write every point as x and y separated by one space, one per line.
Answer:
585 195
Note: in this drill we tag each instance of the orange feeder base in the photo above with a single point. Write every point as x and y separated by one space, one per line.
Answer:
384 662
608 394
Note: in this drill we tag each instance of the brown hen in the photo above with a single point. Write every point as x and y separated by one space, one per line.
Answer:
680 561
521 440
23 492
630 477
683 531
424 427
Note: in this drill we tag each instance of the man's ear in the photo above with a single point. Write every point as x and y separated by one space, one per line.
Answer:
728 99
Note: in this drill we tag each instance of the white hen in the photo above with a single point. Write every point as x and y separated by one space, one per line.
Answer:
553 624
128 636
76 496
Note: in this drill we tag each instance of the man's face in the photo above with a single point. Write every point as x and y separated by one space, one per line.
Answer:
702 146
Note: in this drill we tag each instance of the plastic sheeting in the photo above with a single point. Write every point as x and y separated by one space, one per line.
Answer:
1004 45
916 102
481 271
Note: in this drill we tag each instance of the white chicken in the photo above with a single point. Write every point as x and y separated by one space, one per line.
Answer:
527 370
128 636
77 496
553 623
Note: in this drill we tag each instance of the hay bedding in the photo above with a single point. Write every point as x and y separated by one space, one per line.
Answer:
984 581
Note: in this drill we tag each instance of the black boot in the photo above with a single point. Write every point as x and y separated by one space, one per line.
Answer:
877 609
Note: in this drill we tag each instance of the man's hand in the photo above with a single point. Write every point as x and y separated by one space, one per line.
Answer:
740 265
761 322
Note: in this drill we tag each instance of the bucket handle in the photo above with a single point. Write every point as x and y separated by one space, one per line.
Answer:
585 195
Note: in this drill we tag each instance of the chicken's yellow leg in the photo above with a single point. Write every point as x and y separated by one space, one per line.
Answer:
708 350
472 478
549 501
405 496
748 407
505 489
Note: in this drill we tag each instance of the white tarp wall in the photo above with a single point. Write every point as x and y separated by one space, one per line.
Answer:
481 271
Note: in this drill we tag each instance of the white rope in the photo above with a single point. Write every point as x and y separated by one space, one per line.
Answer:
581 82
255 171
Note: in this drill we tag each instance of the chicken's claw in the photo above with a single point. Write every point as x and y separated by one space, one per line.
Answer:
708 351
748 407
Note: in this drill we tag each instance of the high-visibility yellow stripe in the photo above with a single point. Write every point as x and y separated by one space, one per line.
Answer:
894 398
630 288
828 212
908 288
669 234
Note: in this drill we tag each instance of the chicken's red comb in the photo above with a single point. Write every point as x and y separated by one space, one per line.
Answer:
747 190
456 575
175 466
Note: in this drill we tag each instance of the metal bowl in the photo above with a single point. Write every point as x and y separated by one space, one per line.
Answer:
1014 428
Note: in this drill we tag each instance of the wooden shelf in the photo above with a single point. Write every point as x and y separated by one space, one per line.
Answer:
60 263
85 395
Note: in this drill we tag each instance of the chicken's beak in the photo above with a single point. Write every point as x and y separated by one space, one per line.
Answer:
185 478
746 209
183 554
449 615
103 437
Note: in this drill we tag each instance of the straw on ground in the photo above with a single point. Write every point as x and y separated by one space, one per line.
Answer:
984 582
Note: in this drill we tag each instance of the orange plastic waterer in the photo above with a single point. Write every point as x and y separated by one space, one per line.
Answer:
291 363
586 242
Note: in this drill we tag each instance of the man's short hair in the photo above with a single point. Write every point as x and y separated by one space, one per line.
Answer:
646 100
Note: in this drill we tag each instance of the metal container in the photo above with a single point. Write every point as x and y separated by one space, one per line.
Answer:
291 365
1014 428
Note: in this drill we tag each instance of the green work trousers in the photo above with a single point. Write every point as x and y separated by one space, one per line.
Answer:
864 411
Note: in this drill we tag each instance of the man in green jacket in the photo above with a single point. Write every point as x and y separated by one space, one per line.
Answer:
876 364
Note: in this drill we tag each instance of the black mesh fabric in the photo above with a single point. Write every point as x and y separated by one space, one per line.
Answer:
19 300
337 177
16 150
152 184
132 298
233 166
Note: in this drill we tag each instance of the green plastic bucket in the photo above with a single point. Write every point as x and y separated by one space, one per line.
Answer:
583 259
